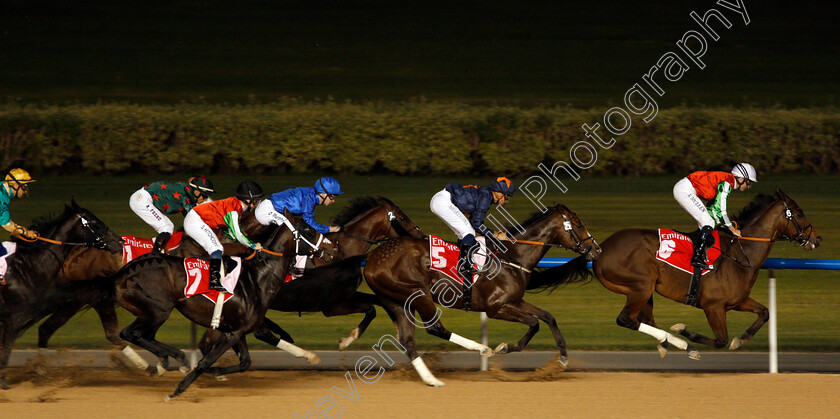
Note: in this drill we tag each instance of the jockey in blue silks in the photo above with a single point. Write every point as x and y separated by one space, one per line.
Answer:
300 201
455 200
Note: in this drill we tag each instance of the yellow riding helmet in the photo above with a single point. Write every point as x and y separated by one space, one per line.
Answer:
19 175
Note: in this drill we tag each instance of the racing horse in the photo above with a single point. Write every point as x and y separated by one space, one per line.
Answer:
32 291
332 288
399 274
151 286
628 266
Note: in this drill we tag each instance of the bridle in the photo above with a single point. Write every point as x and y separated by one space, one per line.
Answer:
572 230
800 236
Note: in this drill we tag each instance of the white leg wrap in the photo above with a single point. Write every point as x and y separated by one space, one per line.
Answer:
425 374
217 311
466 343
135 358
662 336
295 350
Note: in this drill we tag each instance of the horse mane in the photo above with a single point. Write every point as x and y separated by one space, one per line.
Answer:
356 207
537 216
754 209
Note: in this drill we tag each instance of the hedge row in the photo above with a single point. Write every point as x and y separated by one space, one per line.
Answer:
403 138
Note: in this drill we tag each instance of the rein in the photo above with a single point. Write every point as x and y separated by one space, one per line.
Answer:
251 256
44 239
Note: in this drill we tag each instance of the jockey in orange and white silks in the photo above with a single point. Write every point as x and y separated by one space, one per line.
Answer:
715 187
202 222
156 200
451 203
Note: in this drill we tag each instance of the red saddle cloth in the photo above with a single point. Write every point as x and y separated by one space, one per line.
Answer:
444 258
676 249
134 247
198 278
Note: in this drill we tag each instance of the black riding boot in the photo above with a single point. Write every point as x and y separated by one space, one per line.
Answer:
465 268
704 240
160 243
215 275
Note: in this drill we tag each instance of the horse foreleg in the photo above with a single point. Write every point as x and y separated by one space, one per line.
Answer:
717 320
264 334
108 317
425 306
219 347
54 322
358 303
763 315
7 339
241 349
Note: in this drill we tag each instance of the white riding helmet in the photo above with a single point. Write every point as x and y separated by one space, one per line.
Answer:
746 171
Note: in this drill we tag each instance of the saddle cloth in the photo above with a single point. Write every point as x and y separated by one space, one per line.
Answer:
7 250
134 247
444 258
676 249
198 278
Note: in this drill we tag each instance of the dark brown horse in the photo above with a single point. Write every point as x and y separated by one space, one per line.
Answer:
332 288
628 266
151 286
33 291
398 272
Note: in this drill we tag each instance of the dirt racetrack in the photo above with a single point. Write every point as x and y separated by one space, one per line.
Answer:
70 392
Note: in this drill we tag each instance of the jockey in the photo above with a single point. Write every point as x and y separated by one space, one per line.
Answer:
168 197
300 201
203 220
16 185
455 200
711 186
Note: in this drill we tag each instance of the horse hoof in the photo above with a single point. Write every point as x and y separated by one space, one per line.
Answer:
563 362
502 348
679 327
487 352
736 343
694 354
4 386
221 378
184 369
436 383
662 348
343 343
314 360
168 397
159 370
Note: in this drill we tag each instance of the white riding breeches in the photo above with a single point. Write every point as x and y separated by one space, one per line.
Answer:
142 205
196 228
687 197
442 206
267 215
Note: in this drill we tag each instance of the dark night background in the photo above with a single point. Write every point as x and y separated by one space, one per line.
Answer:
583 53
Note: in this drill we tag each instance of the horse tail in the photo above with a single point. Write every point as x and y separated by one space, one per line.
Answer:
574 271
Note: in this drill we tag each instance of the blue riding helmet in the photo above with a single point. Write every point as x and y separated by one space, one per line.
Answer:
503 185
328 185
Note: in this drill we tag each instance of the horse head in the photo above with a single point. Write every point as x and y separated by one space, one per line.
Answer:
792 224
88 229
572 234
400 224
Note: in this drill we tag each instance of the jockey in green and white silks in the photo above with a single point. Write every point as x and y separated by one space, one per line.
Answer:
717 209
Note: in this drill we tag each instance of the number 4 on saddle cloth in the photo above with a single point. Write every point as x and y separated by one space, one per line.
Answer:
675 249
198 277
444 258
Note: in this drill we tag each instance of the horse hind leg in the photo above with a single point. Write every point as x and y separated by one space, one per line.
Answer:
355 304
219 347
629 318
241 349
405 334
263 333
717 320
142 333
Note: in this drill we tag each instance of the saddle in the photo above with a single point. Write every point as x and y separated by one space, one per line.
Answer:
198 277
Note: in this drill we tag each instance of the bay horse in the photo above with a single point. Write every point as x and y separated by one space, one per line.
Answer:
332 288
399 273
628 266
151 286
33 291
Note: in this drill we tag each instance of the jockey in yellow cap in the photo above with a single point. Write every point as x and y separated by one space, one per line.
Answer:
15 185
